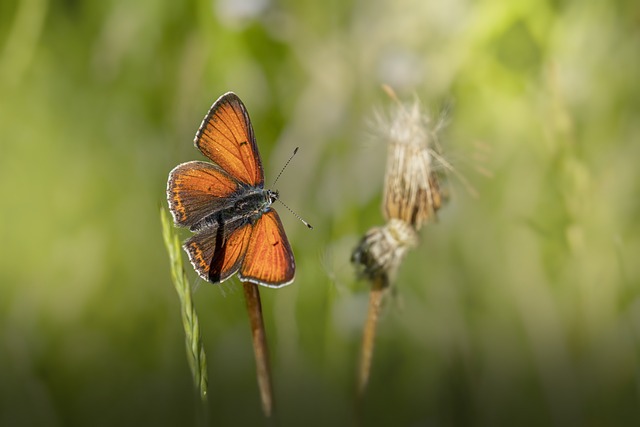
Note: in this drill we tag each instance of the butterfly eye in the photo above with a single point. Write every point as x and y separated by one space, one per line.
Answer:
273 196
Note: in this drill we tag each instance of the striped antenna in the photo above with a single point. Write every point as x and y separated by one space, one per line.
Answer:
278 198
296 215
285 165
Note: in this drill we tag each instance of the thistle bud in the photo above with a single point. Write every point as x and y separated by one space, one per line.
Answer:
381 249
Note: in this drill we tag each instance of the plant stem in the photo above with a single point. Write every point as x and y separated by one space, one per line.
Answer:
260 349
378 288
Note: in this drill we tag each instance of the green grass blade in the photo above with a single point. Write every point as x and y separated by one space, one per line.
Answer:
195 351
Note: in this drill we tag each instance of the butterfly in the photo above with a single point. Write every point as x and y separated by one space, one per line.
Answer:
226 206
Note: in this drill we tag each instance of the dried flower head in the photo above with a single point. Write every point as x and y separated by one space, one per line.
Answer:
380 251
411 189
412 193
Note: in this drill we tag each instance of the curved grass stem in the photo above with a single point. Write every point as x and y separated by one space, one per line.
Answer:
195 351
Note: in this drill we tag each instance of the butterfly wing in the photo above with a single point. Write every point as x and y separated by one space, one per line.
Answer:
216 252
226 137
269 258
196 190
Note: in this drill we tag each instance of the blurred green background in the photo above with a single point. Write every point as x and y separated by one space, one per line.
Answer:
520 307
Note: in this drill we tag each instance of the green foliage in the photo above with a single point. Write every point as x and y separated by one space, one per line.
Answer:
519 307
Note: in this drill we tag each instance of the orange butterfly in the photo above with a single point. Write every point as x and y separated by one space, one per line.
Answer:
226 205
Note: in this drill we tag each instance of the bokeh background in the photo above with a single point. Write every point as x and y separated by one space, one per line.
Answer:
520 307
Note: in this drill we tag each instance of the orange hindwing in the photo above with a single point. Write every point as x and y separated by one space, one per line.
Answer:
269 258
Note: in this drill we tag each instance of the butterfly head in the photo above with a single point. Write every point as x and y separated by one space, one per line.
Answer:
273 195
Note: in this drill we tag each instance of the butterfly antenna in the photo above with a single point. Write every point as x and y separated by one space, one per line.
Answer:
283 204
295 214
284 167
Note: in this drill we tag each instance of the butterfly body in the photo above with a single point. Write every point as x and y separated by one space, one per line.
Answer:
225 204
247 206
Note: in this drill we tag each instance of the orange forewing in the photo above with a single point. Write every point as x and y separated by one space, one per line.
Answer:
269 258
195 189
216 257
226 137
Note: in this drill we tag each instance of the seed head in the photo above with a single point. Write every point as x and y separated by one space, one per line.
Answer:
381 249
411 190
